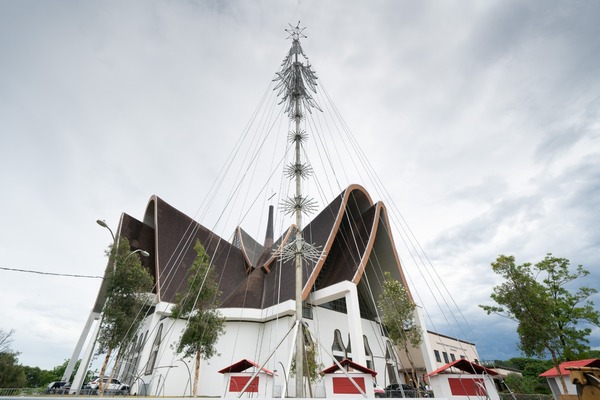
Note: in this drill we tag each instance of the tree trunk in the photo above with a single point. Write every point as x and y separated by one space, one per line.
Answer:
413 373
560 377
117 359
102 371
197 372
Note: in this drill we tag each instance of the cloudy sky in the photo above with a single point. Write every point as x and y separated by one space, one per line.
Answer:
481 120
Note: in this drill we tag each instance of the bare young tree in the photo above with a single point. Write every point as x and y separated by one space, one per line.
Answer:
11 373
197 304
398 312
6 338
122 313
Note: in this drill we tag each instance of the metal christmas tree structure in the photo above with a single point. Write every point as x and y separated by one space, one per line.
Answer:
295 82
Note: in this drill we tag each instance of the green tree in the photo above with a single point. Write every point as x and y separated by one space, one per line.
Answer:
520 384
529 380
11 373
548 314
398 314
123 310
532 372
519 363
35 376
593 354
197 305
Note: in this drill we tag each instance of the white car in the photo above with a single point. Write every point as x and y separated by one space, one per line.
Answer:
114 385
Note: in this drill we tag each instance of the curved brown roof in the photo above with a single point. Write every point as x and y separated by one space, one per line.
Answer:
359 236
353 233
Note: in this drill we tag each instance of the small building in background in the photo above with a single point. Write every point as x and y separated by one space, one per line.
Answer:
553 377
444 350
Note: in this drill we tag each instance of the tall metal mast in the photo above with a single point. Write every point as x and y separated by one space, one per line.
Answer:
294 79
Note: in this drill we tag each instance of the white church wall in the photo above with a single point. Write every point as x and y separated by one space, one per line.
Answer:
252 340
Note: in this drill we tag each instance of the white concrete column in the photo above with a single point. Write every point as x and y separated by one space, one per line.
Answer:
77 351
355 326
426 348
85 360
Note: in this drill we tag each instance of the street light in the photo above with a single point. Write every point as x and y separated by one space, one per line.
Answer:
143 253
102 294
189 375
284 379
103 224
95 315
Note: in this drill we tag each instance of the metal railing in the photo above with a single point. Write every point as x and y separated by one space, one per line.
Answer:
22 391
42 392
520 396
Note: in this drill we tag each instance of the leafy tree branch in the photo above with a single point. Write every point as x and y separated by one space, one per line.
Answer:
551 318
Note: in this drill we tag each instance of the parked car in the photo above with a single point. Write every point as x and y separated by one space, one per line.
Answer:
58 387
115 386
379 392
394 390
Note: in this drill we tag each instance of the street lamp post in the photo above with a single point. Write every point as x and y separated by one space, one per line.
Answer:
189 375
95 315
143 253
103 224
158 387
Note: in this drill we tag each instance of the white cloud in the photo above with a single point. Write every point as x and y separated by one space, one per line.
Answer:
487 112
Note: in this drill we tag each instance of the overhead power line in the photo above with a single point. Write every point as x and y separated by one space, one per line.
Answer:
50 273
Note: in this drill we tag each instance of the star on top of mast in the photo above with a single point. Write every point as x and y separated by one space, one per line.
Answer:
295 77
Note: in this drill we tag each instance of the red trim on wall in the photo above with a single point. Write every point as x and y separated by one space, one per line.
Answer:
343 385
237 383
467 386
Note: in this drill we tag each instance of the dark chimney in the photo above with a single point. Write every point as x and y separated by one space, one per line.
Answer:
269 235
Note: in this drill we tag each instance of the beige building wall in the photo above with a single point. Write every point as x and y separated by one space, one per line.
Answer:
445 350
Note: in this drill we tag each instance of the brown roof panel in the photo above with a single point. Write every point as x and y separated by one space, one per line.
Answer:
176 234
248 294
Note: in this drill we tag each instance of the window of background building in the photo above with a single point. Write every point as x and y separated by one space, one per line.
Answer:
437 356
446 360
452 357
